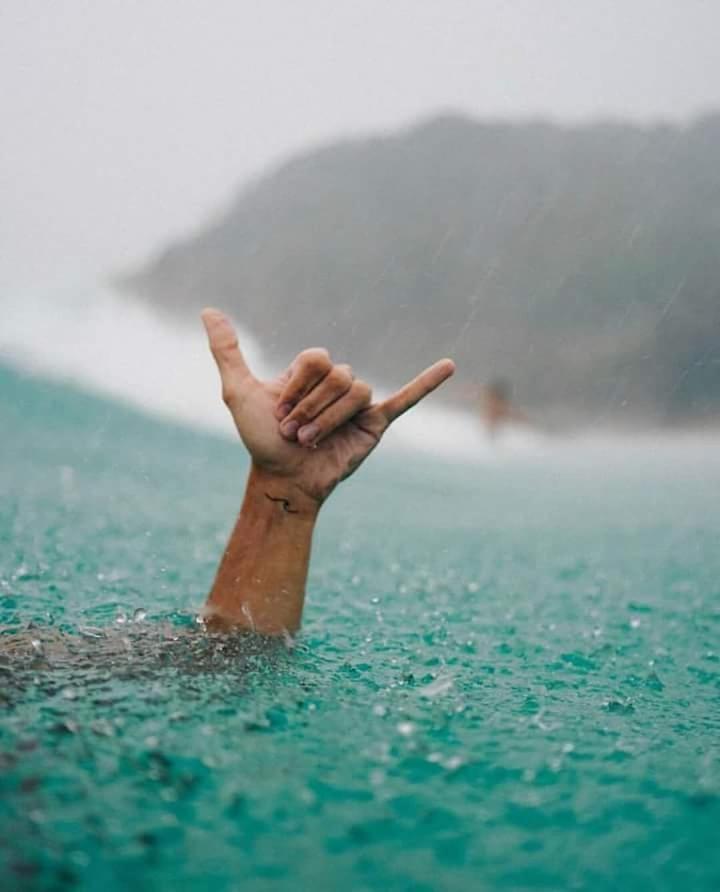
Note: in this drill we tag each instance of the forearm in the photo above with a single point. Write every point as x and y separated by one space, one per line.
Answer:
260 583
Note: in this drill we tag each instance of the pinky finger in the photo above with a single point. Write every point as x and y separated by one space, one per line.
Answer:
417 389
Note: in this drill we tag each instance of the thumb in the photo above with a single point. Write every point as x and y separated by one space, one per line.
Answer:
234 372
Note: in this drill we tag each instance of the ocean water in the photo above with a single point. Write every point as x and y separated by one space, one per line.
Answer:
508 675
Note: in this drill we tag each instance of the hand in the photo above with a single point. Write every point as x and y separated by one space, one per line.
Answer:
312 426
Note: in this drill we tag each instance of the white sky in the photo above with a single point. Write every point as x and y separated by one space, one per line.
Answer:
124 122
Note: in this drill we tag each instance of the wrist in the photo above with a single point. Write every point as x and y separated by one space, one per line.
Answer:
280 495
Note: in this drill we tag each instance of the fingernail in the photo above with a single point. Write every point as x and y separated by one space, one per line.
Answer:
289 429
282 410
308 433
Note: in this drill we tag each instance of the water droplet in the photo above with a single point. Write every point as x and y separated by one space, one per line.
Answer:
406 728
634 623
121 618
139 615
103 728
69 693
90 632
247 613
622 707
454 762
307 796
66 726
379 710
437 687
37 646
375 600
79 858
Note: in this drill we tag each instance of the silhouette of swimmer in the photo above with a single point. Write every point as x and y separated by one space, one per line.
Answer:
496 408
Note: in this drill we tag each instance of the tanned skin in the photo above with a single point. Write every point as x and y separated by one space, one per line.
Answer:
305 431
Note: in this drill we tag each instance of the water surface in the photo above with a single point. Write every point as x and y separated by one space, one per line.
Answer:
508 676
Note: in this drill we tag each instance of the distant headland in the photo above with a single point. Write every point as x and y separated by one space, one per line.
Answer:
581 262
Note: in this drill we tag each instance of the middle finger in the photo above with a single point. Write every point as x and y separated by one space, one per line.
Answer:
331 388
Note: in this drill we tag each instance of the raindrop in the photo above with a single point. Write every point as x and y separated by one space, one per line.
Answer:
406 728
121 618
634 623
379 710
139 615
69 693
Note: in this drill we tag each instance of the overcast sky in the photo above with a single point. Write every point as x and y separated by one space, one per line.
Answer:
125 122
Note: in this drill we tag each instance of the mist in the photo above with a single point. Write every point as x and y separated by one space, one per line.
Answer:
125 125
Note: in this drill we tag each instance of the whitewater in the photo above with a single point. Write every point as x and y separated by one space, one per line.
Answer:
112 344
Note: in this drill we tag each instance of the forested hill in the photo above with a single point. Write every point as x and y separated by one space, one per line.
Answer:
583 263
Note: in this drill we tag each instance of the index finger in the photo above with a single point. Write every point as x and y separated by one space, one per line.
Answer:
417 389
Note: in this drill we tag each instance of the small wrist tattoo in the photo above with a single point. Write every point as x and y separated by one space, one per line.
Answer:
284 502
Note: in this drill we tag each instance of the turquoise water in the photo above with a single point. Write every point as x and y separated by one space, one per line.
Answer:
508 676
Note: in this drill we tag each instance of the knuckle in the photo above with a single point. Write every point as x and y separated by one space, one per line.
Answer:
362 391
347 375
229 394
299 414
316 359
341 377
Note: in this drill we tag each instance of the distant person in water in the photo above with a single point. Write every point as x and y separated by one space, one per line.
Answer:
496 408
305 430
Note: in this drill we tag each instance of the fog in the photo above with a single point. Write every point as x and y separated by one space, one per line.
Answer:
125 123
